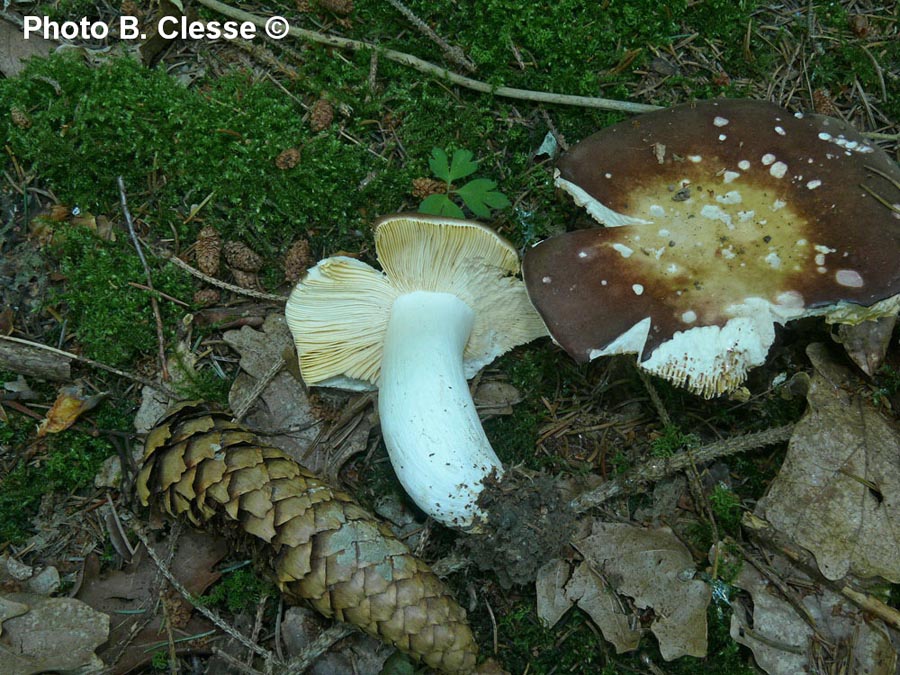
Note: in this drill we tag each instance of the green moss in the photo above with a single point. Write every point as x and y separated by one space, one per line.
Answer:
239 591
111 319
673 440
726 507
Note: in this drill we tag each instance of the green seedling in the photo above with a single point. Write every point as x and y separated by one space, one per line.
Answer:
478 194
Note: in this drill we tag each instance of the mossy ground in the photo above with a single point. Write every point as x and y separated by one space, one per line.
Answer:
216 132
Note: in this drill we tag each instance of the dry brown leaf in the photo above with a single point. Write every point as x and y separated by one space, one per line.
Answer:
68 407
782 641
495 397
867 343
15 50
651 566
53 634
550 585
589 591
838 491
131 593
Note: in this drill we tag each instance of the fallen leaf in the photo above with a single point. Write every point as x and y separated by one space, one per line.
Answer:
782 640
70 404
54 634
617 623
550 585
495 397
15 50
867 343
132 595
838 491
651 566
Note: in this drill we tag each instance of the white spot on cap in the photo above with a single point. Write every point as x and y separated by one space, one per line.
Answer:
623 250
689 316
821 270
779 131
849 278
546 280
824 136
773 261
778 204
722 137
637 288
714 212
824 249
657 210
801 242
767 159
728 253
743 165
798 115
672 268
720 121
582 254
607 175
820 258
731 197
695 158
603 282
790 299
663 233
744 216
813 184
778 169
729 176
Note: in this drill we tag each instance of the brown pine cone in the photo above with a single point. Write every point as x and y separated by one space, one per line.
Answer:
20 118
241 257
207 250
248 280
341 7
823 103
321 115
321 545
297 260
288 159
206 297
425 187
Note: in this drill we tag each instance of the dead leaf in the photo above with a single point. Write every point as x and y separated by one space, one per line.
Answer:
495 397
589 591
15 50
132 595
867 343
782 641
54 634
838 491
68 407
651 566
550 585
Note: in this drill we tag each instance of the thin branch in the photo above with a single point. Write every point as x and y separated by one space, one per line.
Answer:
160 337
453 53
212 281
657 469
431 69
95 364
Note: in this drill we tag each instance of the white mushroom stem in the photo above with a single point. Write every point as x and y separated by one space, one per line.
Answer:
431 429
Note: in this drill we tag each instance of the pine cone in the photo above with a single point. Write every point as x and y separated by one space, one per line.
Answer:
288 159
321 115
248 280
206 297
207 250
823 103
425 187
241 257
297 260
323 546
341 7
20 118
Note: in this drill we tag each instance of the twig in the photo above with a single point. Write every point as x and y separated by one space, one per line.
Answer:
210 614
431 69
301 663
242 408
178 262
95 364
654 398
160 337
657 469
453 53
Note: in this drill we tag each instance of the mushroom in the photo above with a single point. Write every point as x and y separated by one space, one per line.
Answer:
724 218
447 304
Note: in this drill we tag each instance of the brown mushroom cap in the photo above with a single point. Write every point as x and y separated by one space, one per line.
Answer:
726 216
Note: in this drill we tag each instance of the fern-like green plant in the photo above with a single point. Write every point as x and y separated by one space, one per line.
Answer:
478 195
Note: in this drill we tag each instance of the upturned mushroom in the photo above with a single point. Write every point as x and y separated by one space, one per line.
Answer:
724 218
447 303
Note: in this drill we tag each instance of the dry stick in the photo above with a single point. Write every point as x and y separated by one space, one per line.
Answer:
431 69
213 616
95 364
453 53
178 262
160 338
657 469
301 663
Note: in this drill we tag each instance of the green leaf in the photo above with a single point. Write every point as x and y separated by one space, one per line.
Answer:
462 165
440 205
479 195
439 164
